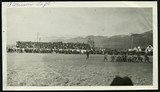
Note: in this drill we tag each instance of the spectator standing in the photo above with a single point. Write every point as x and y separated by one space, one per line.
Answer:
124 57
105 57
146 58
113 57
87 54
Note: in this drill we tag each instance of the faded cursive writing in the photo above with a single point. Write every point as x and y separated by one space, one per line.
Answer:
15 4
18 4
43 4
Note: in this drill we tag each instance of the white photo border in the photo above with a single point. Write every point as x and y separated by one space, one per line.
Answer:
142 4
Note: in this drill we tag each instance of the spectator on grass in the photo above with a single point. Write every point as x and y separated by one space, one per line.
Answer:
105 57
113 57
124 57
87 54
139 57
146 58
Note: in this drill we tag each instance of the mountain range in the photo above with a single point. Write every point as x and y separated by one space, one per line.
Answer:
116 41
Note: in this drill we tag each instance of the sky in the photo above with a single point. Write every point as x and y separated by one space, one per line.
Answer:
24 23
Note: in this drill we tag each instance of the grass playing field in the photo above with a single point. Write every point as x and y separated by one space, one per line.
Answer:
27 69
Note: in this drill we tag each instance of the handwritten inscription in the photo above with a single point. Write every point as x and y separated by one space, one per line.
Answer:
43 4
17 4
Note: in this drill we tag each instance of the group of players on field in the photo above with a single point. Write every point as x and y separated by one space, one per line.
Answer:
127 58
124 58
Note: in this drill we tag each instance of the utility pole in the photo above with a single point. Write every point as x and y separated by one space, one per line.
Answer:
131 41
40 39
37 36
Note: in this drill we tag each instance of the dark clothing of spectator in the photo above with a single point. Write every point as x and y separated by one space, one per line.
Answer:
87 55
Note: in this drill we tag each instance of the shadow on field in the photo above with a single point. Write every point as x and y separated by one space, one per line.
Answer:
121 81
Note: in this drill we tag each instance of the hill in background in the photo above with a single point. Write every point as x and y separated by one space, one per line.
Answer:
117 41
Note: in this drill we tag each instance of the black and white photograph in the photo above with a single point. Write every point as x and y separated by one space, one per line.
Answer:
79 45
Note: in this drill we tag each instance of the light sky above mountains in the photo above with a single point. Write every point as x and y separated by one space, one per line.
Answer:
24 23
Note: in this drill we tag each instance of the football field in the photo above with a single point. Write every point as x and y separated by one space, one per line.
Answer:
30 69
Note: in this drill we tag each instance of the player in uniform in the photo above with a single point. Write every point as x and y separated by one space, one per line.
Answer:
113 57
146 58
87 54
105 57
139 58
124 57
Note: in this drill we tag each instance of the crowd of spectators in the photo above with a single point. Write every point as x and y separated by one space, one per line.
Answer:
65 48
49 47
52 45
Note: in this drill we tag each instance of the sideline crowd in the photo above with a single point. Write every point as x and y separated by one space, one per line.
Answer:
65 48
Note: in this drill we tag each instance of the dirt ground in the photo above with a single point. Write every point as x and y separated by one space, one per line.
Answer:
27 69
